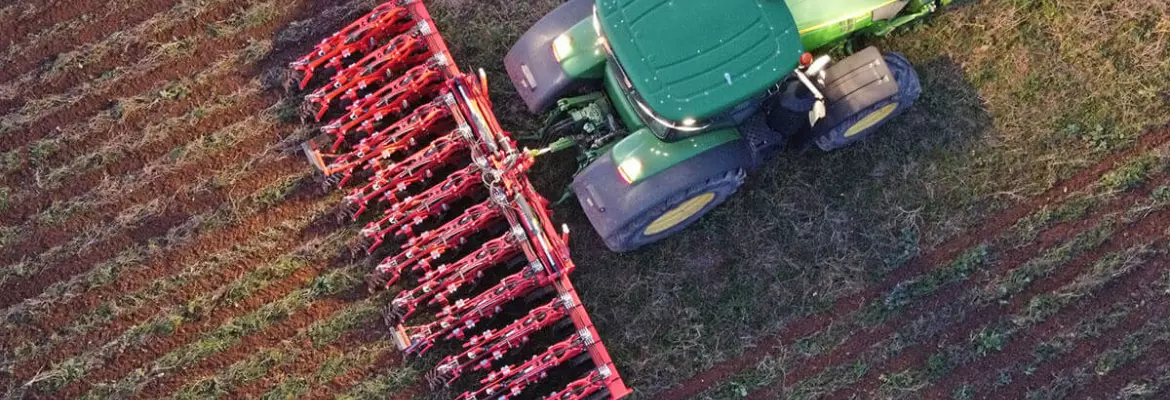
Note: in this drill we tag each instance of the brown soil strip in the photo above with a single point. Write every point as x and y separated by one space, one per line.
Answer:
129 55
25 175
1110 385
272 335
310 361
45 16
1081 351
205 53
91 31
43 325
137 357
44 236
1139 233
388 359
176 213
207 244
860 341
986 232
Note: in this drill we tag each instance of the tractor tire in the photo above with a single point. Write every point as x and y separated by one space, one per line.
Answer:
676 211
864 123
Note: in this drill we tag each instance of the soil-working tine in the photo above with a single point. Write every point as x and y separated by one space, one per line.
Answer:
396 178
481 350
512 380
434 244
582 388
357 38
464 314
411 211
447 279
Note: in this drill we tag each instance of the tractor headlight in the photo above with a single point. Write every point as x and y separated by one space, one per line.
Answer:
562 47
630 169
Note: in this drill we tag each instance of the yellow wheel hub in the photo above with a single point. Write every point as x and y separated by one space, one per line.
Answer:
677 215
872 119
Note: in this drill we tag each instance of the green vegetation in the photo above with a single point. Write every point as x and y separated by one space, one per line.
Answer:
1019 96
291 351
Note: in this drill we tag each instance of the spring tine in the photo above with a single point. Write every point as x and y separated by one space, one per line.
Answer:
455 275
409 54
435 243
488 303
424 79
385 20
510 381
414 210
401 135
404 50
395 97
425 118
581 388
497 343
398 177
466 314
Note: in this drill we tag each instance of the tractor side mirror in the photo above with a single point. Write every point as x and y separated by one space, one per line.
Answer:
816 70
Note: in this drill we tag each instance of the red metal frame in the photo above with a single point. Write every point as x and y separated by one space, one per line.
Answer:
457 126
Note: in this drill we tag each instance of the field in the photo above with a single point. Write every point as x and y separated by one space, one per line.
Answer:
1008 237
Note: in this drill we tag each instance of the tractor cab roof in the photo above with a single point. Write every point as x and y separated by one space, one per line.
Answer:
692 59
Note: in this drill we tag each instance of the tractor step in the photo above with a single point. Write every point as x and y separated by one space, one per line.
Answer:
469 240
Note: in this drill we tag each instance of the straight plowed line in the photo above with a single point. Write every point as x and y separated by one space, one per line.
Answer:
807 325
127 362
47 235
207 244
14 292
33 84
24 175
1143 232
242 161
860 341
309 361
47 326
1083 350
257 294
27 55
1116 291
45 16
387 359
205 53
269 337
1110 385
140 113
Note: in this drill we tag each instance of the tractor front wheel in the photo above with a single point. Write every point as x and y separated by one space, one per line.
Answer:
674 211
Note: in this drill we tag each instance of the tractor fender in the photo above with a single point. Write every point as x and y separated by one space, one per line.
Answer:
611 203
538 77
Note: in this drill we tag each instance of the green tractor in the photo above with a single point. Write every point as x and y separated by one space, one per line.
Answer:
672 101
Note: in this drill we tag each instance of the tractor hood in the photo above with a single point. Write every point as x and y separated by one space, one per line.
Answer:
696 58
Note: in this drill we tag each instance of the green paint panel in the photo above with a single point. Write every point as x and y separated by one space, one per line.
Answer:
587 60
822 22
656 156
694 58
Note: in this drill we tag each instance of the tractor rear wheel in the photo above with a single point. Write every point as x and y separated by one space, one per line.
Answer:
865 122
674 211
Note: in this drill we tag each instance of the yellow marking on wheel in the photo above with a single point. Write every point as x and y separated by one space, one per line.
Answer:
681 213
872 119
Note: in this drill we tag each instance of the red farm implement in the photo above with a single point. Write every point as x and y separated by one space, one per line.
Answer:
481 270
